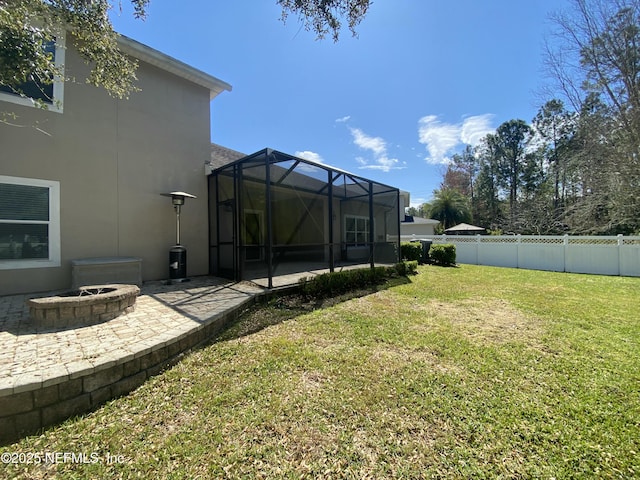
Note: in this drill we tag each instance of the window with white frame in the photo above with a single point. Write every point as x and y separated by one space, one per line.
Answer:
29 223
37 92
356 231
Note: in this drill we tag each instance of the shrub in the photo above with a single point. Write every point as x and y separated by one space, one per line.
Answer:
411 268
336 283
328 284
443 254
406 268
411 251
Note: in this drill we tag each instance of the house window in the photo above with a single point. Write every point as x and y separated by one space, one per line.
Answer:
36 92
29 223
356 230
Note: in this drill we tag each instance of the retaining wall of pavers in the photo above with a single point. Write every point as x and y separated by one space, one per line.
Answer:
27 412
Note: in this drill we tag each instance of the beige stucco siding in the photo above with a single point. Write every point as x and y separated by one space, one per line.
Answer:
417 228
113 158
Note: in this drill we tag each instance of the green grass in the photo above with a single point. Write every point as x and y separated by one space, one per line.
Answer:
469 372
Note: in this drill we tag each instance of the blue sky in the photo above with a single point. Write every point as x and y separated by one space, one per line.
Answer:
422 78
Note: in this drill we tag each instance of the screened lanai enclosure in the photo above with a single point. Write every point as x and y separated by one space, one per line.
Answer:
275 217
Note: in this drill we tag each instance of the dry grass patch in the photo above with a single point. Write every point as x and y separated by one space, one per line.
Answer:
312 380
486 320
386 356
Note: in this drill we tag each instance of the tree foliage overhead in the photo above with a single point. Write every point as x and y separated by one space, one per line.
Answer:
323 16
27 26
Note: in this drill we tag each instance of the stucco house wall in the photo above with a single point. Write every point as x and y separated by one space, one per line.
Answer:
419 226
113 158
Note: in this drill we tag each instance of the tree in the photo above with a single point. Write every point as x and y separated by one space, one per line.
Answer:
421 211
28 26
510 142
597 63
594 159
489 206
534 214
456 179
461 172
554 127
323 16
450 207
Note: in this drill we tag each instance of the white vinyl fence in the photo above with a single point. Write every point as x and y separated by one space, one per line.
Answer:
618 255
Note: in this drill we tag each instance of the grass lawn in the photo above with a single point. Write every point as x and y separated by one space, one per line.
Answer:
468 372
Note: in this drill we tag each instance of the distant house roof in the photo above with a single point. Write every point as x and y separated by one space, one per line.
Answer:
221 156
420 220
465 228
165 62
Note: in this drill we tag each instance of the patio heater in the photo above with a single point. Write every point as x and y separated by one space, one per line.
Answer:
177 253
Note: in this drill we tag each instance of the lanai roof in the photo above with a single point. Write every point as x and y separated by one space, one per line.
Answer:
314 178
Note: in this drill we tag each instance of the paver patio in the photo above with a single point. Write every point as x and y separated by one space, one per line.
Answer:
32 357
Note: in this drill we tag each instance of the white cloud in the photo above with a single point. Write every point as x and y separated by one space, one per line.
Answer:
384 164
378 147
376 144
309 155
475 128
440 139
343 119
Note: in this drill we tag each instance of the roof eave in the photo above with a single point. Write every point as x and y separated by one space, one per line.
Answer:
165 62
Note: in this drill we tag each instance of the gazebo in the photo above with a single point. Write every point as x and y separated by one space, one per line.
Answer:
465 229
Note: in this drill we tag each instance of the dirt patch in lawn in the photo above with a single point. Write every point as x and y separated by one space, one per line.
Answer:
489 321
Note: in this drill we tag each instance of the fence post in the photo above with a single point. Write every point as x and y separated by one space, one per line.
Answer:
478 241
565 242
620 243
518 240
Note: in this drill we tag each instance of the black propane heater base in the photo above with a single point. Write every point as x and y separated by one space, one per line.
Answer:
177 265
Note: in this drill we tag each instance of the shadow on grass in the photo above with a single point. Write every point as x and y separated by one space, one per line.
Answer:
286 306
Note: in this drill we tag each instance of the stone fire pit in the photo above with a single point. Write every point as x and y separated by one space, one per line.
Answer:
86 306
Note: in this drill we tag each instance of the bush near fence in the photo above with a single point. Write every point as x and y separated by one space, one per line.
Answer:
411 251
443 254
